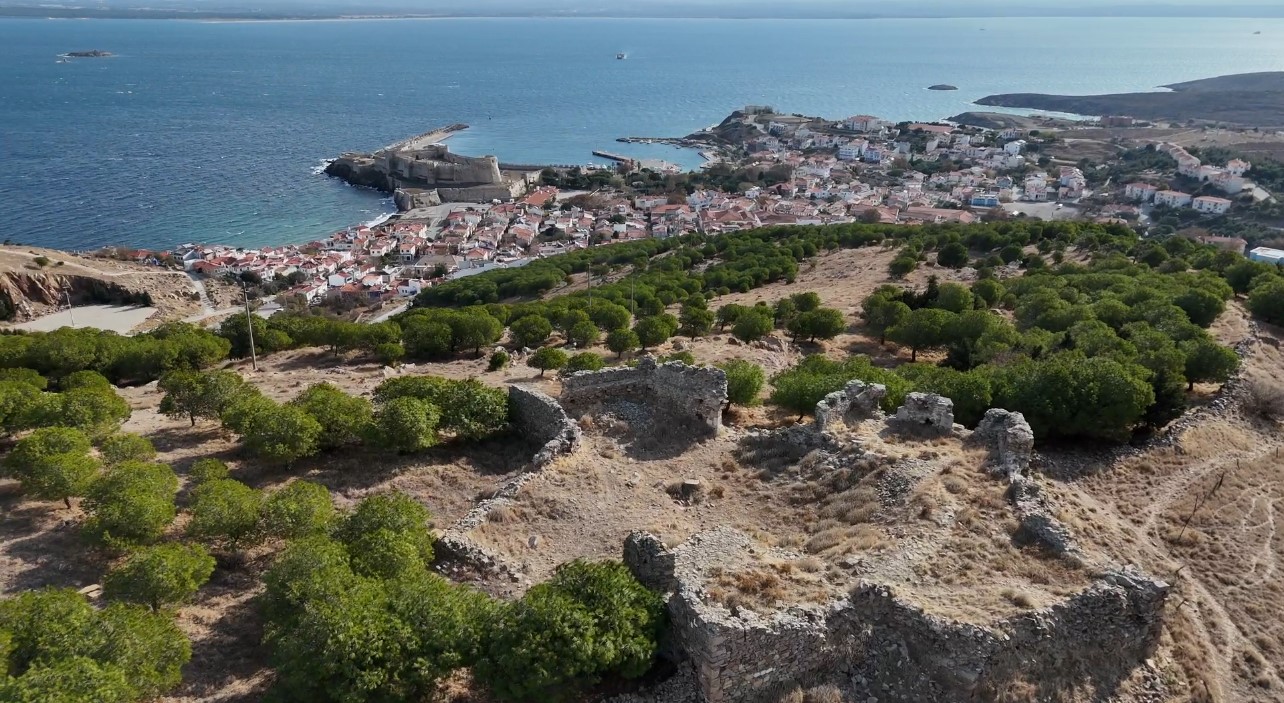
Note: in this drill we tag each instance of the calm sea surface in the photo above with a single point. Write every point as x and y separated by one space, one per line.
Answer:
213 131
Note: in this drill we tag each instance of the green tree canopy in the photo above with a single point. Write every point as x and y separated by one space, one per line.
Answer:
752 326
226 512
132 503
53 463
160 576
407 424
301 509
531 331
547 359
122 447
204 394
744 381
344 419
622 341
921 329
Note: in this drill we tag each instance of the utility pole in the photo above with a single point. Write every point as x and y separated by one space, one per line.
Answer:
67 296
249 327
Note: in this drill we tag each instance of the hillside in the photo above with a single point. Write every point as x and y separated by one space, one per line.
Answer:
1250 100
829 552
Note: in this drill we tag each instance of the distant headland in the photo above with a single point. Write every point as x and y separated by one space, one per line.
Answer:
942 86
91 54
1245 99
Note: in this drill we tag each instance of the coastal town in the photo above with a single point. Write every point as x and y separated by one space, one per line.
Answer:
763 169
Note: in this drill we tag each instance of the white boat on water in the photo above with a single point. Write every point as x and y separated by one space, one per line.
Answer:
621 56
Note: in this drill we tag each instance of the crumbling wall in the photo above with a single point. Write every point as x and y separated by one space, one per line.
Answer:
857 401
687 394
542 419
874 643
1010 439
924 415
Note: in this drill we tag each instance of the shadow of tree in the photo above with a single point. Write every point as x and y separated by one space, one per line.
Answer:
229 659
46 546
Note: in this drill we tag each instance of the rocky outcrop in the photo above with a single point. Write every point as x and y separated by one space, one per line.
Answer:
924 415
686 395
857 401
27 295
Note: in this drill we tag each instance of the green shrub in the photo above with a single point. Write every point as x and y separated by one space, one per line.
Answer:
752 326
132 503
584 361
160 576
122 447
407 425
744 381
498 360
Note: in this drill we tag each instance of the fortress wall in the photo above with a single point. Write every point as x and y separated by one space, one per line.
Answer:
686 393
541 419
874 643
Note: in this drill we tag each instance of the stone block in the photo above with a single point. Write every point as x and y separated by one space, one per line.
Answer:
925 414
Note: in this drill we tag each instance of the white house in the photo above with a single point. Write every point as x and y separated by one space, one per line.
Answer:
1267 255
851 152
1015 147
1035 189
1238 167
1172 198
1210 205
874 154
1142 192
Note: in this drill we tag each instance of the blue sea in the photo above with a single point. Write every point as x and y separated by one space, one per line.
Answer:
213 132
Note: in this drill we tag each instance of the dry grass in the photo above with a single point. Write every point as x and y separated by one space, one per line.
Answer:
819 694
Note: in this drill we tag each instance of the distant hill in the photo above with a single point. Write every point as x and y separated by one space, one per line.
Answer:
1247 99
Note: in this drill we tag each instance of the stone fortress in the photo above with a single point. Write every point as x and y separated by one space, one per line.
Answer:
422 172
872 639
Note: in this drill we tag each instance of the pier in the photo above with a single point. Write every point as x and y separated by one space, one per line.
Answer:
615 157
435 136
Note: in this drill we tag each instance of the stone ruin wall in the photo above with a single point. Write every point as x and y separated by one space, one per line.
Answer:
541 419
685 393
882 646
537 418
876 644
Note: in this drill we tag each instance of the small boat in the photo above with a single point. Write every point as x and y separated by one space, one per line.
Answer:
621 56
1258 32
63 59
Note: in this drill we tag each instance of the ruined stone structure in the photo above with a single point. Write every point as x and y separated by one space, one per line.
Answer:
857 401
874 643
1011 442
925 415
423 175
1010 439
541 419
689 396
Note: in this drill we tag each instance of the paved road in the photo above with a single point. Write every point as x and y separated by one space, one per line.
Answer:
387 315
116 318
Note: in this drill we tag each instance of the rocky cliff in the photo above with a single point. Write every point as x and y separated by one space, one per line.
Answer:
27 295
